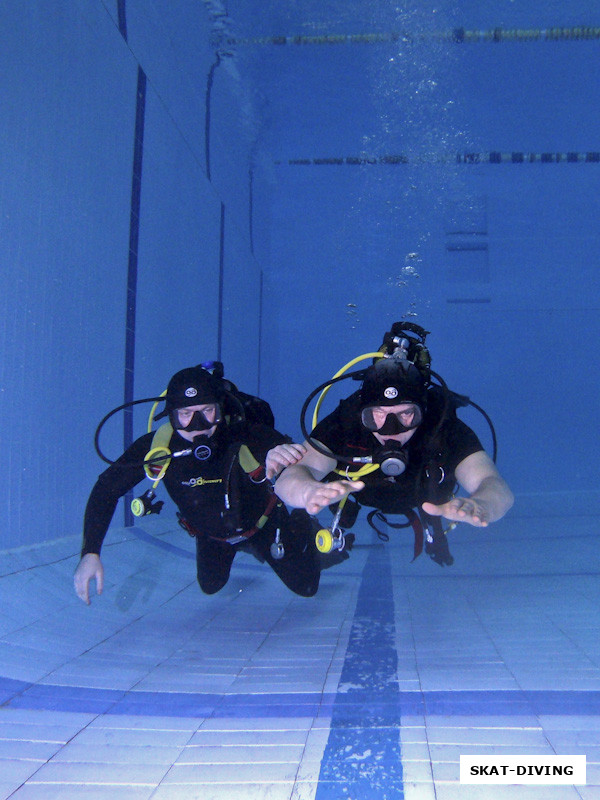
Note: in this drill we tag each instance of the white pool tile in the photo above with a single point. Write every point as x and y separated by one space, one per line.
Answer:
417 771
251 771
117 753
518 722
457 791
593 773
508 737
250 738
259 724
309 770
46 791
27 750
226 791
415 751
574 738
47 720
101 773
94 737
304 790
419 791
8 789
240 754
441 753
18 770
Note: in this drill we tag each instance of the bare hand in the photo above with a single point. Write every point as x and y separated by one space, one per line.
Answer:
460 509
284 455
320 495
89 568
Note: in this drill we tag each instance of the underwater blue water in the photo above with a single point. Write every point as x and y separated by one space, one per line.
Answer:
274 185
306 176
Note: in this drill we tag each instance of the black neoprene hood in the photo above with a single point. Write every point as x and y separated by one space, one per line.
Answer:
390 382
191 387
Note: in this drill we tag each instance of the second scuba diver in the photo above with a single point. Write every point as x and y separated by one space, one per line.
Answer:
210 459
399 446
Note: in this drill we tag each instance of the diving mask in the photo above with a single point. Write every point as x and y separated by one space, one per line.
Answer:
391 420
193 419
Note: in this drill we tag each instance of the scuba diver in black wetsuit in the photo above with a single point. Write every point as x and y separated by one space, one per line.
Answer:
396 445
216 458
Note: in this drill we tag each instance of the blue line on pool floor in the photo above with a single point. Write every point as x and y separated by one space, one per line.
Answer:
362 757
156 542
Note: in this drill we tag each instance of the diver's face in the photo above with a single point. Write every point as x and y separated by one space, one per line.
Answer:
405 412
184 416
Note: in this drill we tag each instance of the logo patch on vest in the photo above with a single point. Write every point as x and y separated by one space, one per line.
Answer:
200 481
203 452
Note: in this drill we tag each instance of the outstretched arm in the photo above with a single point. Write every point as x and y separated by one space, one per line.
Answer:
282 456
489 495
112 484
299 485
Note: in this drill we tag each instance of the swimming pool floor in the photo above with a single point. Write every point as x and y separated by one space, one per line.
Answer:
369 691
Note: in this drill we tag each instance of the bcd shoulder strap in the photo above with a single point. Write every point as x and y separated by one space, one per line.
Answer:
248 463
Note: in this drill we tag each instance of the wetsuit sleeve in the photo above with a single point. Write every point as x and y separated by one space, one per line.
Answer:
112 484
331 431
461 442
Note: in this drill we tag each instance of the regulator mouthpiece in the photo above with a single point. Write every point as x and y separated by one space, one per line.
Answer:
392 460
